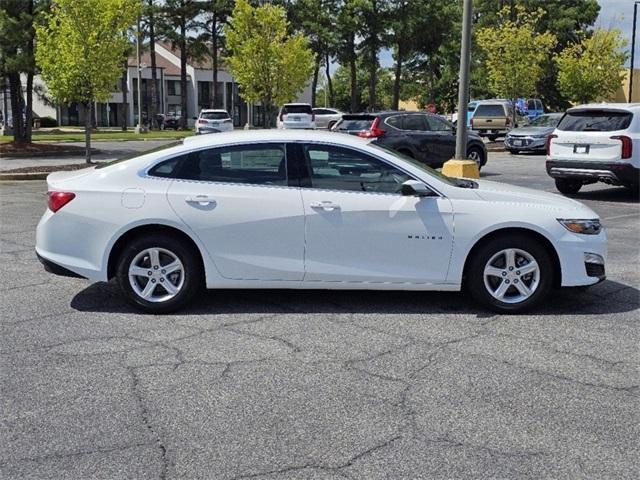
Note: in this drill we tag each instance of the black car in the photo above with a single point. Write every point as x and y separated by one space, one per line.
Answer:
426 137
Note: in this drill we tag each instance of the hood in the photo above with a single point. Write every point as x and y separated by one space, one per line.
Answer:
531 131
504 193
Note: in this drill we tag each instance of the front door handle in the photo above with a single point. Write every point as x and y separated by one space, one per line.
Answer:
325 205
201 200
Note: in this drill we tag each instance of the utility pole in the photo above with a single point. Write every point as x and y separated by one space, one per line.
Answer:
459 166
633 48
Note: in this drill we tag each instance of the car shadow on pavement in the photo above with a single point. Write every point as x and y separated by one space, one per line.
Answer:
605 298
608 194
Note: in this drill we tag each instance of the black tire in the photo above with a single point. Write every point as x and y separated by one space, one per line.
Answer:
480 160
492 138
331 124
475 279
568 186
513 152
192 274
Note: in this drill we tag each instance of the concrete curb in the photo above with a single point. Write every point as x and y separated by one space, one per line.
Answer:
63 153
23 176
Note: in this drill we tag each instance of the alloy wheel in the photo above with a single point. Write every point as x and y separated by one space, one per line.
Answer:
511 275
156 275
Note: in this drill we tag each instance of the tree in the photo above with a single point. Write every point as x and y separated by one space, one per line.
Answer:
374 15
17 36
347 29
81 44
178 18
150 12
592 69
515 52
269 65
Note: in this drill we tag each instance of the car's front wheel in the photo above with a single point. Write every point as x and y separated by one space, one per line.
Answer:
567 186
159 273
510 273
477 155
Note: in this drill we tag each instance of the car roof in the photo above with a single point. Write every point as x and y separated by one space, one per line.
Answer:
270 135
213 110
605 106
297 103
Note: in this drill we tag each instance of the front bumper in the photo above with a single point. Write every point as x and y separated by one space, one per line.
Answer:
526 143
576 253
612 173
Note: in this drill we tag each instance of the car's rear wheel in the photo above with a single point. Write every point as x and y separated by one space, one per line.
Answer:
568 186
159 274
513 152
477 155
493 138
510 274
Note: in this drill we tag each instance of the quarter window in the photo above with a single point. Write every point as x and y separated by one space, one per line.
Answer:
335 168
255 164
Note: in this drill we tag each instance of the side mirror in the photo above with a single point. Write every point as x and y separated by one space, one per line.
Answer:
413 188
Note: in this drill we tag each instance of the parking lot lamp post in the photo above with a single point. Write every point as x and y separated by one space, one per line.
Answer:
633 48
460 166
139 128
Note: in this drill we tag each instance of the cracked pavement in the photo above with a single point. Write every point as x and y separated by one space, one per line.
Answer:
275 385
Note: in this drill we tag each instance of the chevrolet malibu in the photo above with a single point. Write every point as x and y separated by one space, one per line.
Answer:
310 210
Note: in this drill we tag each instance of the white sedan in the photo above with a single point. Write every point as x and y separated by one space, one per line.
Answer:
310 210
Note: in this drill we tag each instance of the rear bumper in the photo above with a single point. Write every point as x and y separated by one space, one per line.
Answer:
56 269
613 173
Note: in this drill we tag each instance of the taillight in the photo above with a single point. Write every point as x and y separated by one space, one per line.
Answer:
627 145
57 200
374 131
471 122
548 147
508 122
202 122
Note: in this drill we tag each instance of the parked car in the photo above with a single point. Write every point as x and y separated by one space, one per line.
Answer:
532 137
534 108
168 121
494 119
426 137
274 209
326 117
213 121
596 143
471 108
296 115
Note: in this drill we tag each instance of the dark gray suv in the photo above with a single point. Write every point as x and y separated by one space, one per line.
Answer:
426 137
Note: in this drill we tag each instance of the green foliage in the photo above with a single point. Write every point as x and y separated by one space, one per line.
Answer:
81 44
269 65
592 69
515 51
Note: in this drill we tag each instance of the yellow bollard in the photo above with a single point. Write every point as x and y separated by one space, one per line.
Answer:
461 168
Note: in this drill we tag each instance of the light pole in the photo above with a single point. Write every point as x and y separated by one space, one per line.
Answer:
139 128
633 48
463 88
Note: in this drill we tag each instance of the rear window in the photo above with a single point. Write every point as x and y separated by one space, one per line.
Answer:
214 115
287 109
355 122
595 121
490 111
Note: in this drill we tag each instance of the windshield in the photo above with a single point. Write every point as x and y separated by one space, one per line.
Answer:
133 155
595 121
454 182
546 121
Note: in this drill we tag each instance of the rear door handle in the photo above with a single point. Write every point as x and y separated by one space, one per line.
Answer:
201 200
325 205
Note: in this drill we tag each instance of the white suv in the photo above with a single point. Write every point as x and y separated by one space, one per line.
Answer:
596 143
213 121
296 115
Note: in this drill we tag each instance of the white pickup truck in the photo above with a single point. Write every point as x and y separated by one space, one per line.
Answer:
596 143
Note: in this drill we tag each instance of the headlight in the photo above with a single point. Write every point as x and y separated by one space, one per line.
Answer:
586 227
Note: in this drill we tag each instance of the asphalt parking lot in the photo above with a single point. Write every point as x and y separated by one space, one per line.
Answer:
319 385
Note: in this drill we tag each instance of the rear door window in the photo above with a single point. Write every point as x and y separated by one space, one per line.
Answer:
437 125
595 121
261 164
490 111
415 122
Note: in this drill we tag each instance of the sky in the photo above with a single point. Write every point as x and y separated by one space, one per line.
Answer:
613 14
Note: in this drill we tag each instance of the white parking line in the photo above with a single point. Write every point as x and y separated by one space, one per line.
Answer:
623 216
